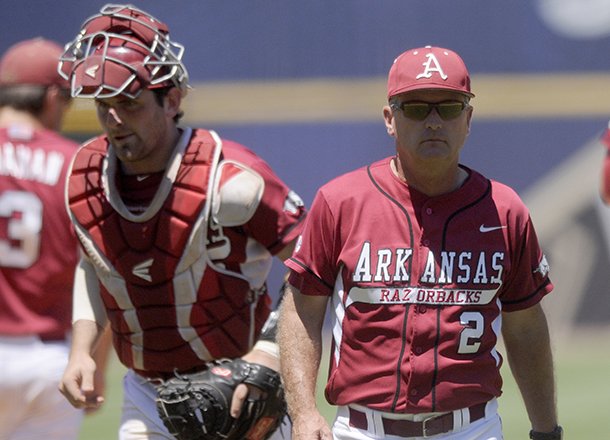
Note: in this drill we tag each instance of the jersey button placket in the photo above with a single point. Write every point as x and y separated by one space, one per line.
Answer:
417 349
428 212
420 354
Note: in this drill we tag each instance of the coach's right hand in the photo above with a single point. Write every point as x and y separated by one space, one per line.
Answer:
311 426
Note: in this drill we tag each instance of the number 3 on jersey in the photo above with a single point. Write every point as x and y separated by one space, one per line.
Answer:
20 243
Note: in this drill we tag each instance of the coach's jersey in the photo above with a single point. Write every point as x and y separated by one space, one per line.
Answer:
183 279
38 248
605 178
418 285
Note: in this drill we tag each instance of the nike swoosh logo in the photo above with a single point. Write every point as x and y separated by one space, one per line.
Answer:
484 228
141 178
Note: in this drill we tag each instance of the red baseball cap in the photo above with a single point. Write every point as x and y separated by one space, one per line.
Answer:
428 68
32 62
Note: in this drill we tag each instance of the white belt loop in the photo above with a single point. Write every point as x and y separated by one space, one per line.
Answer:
491 408
377 422
459 418
465 412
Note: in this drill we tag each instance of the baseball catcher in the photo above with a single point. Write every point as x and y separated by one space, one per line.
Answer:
180 272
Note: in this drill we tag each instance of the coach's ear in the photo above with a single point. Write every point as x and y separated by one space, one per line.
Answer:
469 109
388 117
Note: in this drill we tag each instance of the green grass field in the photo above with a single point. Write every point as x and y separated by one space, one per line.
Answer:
583 376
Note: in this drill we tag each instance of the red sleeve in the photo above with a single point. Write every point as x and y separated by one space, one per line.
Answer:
605 183
314 263
529 281
279 216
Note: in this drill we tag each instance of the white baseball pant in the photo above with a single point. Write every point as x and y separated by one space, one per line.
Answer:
31 406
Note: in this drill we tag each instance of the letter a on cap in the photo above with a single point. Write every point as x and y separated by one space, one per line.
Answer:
431 65
420 69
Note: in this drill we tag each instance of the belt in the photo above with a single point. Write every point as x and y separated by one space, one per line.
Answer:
164 375
407 428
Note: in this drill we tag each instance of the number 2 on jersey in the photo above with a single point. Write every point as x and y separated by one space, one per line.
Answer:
470 337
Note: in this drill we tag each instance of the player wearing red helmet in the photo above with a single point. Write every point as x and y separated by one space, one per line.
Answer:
425 262
121 51
178 226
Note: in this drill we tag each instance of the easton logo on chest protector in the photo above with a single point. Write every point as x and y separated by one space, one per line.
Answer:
142 270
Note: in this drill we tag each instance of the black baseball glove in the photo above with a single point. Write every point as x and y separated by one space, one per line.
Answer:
196 406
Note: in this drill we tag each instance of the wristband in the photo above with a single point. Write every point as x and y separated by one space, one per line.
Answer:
268 347
555 434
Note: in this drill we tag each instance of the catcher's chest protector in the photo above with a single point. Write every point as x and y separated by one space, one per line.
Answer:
152 265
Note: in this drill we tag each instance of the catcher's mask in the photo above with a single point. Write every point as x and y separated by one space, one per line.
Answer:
122 50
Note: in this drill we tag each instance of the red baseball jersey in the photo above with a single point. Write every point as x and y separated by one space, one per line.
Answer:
38 248
417 286
183 269
605 184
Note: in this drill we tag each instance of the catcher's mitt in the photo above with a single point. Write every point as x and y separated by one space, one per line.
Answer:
196 406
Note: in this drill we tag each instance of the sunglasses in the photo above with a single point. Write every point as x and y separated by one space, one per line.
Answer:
418 111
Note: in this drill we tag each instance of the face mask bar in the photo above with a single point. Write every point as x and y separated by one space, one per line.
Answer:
126 45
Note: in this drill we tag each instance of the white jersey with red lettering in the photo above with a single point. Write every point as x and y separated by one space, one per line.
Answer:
418 285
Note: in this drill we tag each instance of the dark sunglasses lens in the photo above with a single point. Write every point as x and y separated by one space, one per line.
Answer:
416 110
449 110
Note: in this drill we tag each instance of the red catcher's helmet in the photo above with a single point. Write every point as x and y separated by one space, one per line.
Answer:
122 50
